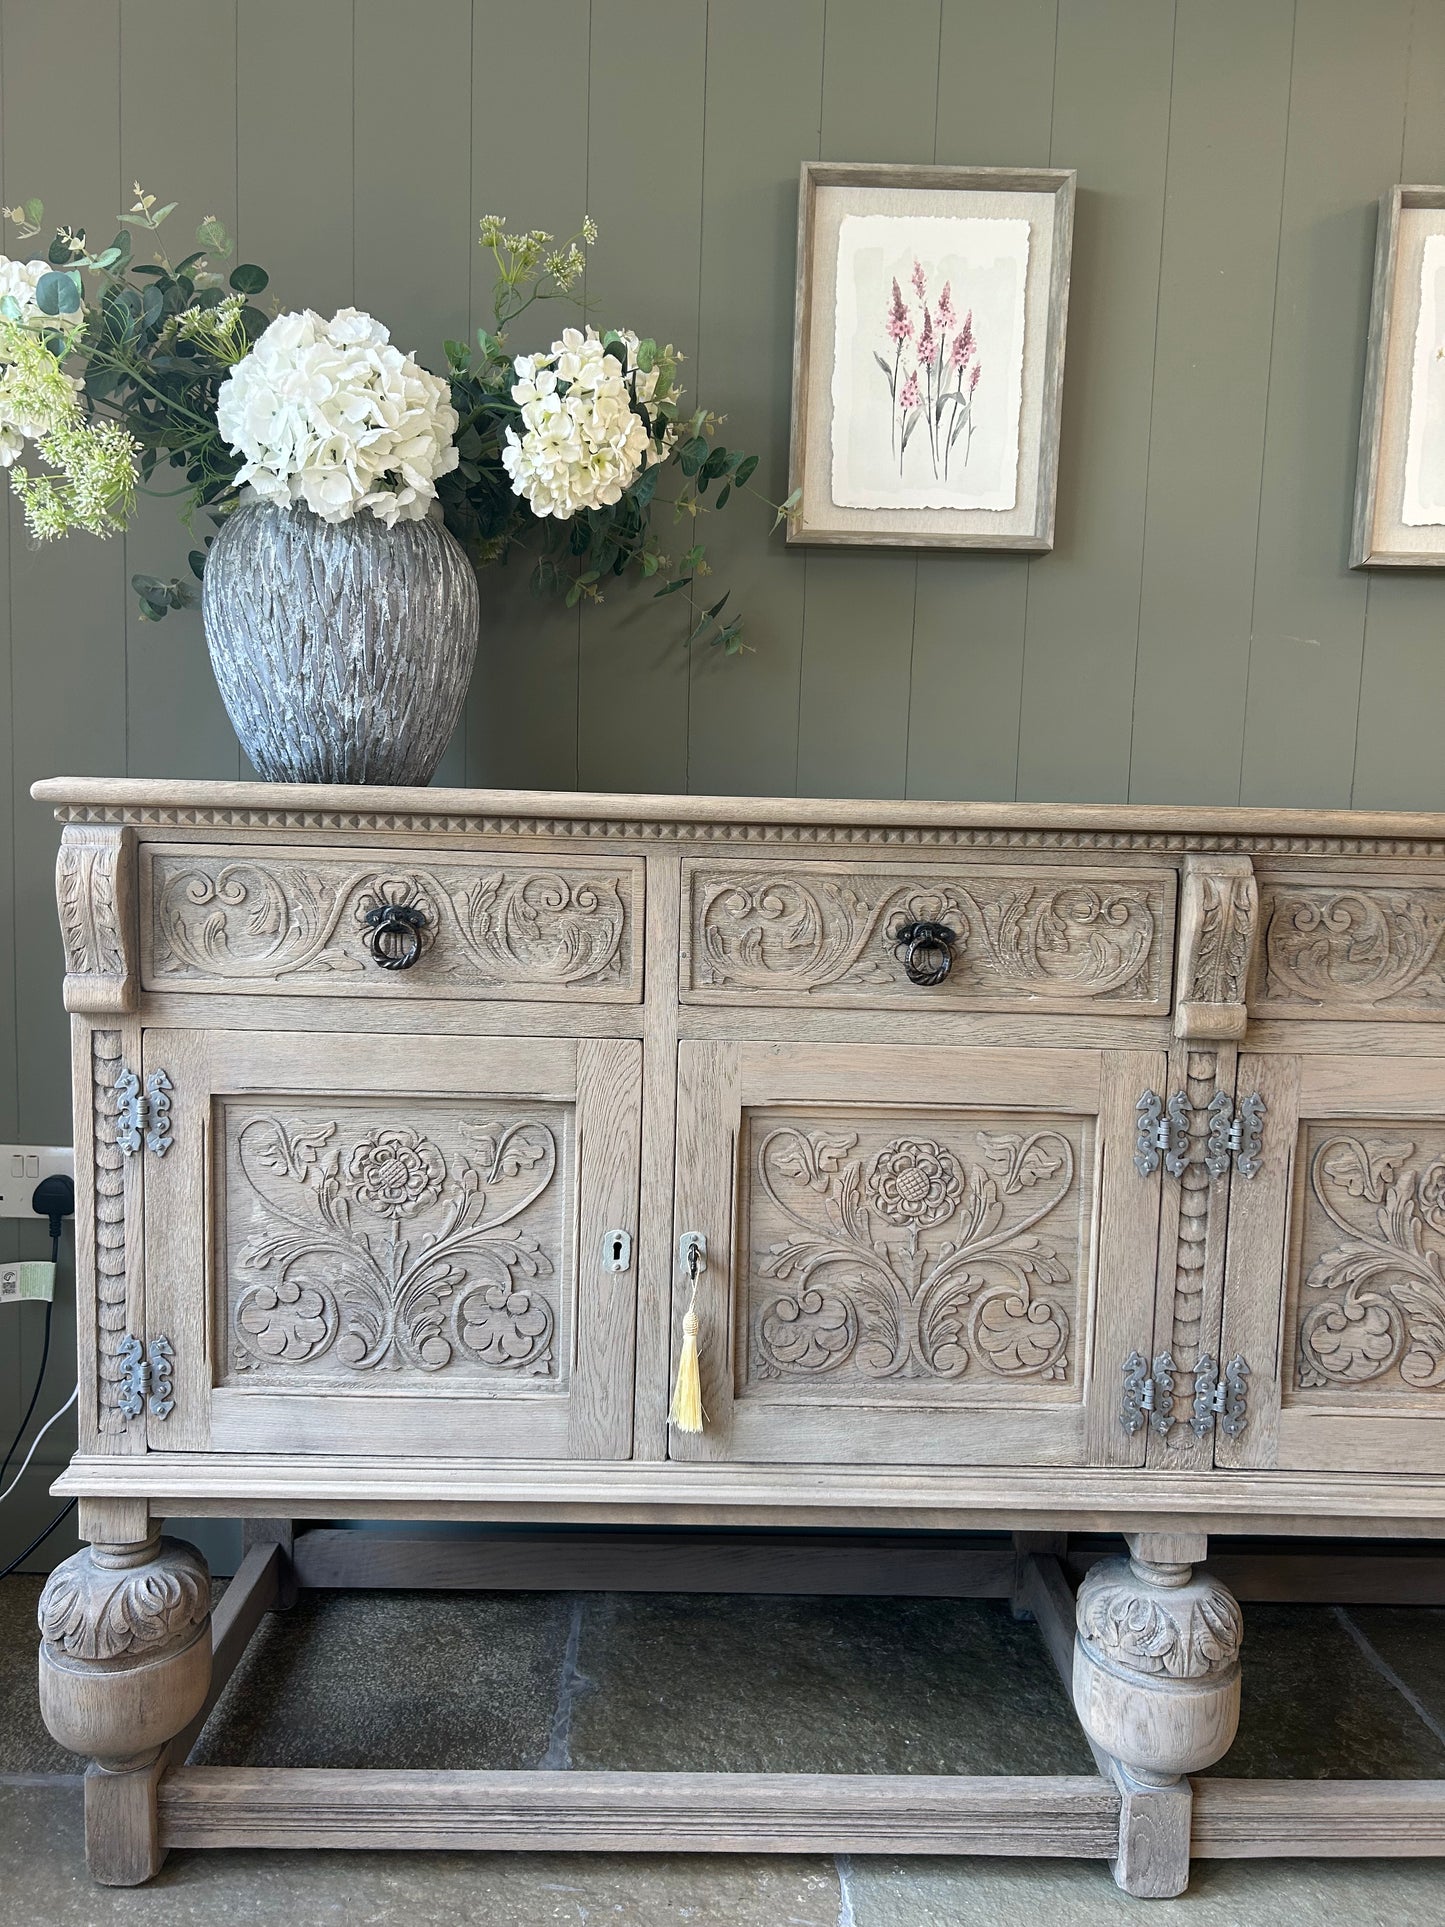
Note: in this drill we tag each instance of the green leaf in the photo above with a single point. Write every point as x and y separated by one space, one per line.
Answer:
490 346
692 454
34 213
723 493
728 636
716 464
671 588
745 471
107 258
57 293
197 560
159 214
694 556
213 237
789 503
717 607
647 355
58 253
9 307
247 278
645 487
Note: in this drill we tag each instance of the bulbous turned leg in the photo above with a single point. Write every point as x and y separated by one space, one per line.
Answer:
1156 1686
125 1665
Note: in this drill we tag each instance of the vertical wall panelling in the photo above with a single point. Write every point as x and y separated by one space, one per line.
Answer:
644 182
880 102
412 181
995 109
1111 122
1211 383
67 607
178 139
522 712
1350 67
762 121
1402 678
294 211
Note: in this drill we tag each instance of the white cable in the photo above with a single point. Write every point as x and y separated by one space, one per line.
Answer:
36 1440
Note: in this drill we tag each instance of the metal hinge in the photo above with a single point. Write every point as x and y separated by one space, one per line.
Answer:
1234 1135
1224 1403
1162 1130
147 1380
144 1116
1149 1396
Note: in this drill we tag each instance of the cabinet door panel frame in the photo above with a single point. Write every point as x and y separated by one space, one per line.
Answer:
590 1416
719 1083
1266 1264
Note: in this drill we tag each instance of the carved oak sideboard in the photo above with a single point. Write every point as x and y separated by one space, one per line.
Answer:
1027 1168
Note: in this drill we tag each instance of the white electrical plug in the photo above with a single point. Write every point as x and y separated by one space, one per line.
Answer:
28 1282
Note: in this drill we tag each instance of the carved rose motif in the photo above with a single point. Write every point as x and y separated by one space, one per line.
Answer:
915 1181
859 1301
459 1278
396 1172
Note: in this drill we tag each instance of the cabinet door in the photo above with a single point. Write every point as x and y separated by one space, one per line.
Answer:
394 1245
933 1256
1335 1267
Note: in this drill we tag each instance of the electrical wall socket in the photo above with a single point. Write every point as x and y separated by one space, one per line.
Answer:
22 1166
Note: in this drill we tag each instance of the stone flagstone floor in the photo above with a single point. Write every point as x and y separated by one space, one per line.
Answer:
757 1683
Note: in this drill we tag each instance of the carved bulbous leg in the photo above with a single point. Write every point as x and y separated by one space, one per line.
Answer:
125 1665
1156 1686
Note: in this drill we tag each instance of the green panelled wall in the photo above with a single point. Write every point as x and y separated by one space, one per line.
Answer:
1195 636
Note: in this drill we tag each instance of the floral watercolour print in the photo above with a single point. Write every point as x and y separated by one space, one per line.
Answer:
928 364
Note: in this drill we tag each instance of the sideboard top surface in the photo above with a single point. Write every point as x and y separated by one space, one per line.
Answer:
149 803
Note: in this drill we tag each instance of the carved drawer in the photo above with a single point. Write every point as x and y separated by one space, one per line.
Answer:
303 922
1350 946
1022 938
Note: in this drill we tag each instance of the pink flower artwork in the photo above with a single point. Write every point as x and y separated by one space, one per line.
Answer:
939 391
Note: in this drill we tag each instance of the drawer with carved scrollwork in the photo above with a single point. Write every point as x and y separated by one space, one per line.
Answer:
1349 945
342 922
961 937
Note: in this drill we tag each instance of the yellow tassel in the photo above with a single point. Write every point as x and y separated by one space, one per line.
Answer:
687 1413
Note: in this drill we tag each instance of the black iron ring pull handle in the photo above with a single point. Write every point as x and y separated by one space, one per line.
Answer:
926 950
395 939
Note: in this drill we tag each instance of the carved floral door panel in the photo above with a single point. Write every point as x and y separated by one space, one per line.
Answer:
1347 1363
395 1244
915 1256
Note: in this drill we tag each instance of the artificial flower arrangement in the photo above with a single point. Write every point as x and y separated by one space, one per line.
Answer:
114 370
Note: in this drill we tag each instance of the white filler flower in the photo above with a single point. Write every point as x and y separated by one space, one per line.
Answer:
329 414
18 281
582 442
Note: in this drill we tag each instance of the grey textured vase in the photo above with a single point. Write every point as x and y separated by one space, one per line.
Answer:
342 650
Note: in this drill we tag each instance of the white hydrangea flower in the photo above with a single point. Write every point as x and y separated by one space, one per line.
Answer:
582 442
330 414
18 279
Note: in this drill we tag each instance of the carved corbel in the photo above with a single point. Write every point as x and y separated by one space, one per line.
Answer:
95 889
1218 928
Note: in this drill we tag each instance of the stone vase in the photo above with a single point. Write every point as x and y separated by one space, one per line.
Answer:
342 650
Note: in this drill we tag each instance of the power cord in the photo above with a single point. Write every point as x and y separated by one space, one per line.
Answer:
54 1200
39 1538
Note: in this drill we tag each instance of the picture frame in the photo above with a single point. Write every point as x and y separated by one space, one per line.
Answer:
1399 510
928 355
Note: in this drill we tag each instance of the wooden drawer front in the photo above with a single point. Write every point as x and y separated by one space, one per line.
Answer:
1028 939
293 920
1350 946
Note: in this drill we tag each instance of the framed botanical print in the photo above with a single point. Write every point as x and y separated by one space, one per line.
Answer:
928 354
1400 481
